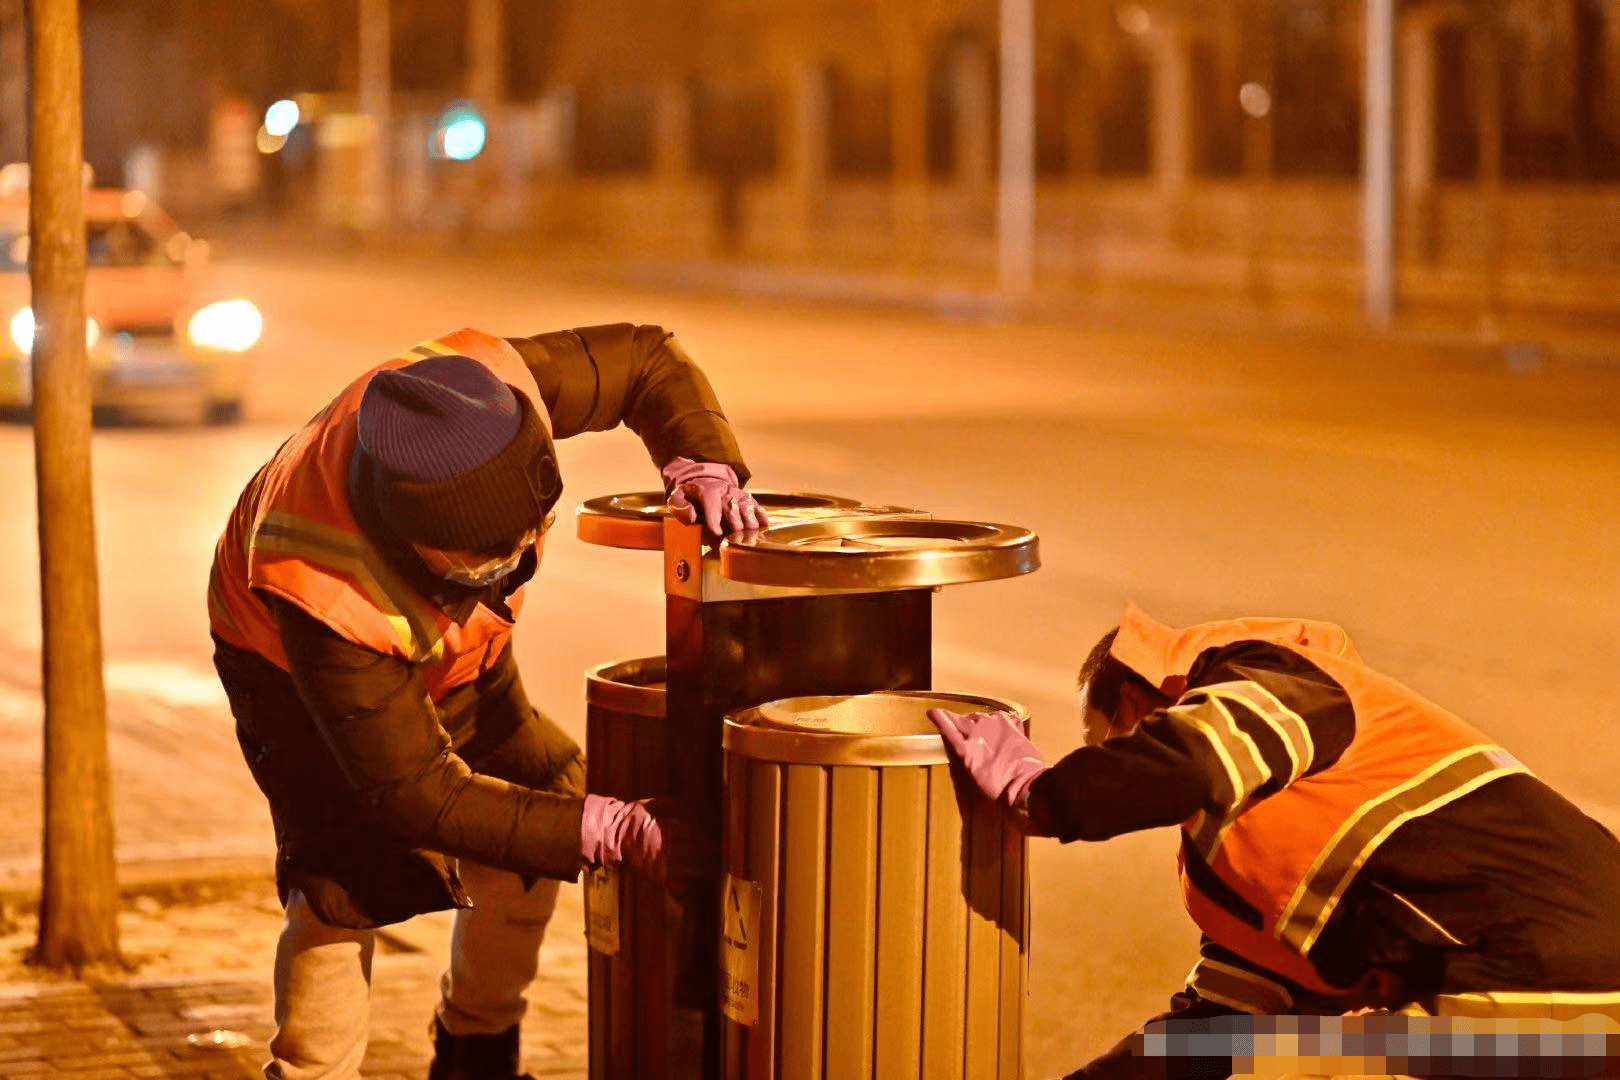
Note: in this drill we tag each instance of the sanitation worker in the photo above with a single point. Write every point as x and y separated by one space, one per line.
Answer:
362 603
1345 844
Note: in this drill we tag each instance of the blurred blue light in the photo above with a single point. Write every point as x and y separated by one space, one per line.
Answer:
281 118
461 132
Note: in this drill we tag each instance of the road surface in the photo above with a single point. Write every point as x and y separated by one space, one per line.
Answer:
1460 517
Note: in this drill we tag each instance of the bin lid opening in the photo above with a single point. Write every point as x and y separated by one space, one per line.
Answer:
888 727
864 714
636 519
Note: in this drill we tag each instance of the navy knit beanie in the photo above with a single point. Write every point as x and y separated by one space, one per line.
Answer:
459 459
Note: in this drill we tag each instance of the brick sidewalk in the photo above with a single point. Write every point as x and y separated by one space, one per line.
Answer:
161 726
214 813
139 1029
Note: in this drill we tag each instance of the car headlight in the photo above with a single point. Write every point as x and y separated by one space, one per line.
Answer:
22 331
230 325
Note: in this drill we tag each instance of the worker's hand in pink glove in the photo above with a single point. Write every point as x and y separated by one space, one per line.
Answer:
995 752
701 486
641 835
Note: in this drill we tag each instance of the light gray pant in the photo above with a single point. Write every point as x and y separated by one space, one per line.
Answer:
323 975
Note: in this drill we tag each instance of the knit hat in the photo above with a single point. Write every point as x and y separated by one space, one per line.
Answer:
460 460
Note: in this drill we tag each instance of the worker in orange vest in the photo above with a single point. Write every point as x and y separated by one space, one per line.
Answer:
362 601
1345 843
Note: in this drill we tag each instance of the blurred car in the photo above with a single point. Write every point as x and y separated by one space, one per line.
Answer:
161 342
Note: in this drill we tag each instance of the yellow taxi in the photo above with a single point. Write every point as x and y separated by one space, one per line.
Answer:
161 342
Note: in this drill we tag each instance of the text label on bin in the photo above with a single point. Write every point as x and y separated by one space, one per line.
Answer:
739 951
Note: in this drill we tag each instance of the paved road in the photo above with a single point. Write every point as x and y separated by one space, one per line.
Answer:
1457 516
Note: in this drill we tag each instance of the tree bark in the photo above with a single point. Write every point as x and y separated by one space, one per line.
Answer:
78 913
13 82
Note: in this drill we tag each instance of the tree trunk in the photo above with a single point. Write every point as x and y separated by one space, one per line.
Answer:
13 82
78 913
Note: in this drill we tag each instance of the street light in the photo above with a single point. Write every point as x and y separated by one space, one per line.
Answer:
281 118
461 132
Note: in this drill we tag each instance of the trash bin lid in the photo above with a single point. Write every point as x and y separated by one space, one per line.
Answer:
889 727
879 553
636 687
636 519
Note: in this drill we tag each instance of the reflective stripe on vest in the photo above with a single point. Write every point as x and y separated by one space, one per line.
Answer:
410 615
293 535
1601 1010
1274 870
1236 988
1445 781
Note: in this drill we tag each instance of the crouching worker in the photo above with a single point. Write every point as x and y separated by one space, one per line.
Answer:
362 603
1345 844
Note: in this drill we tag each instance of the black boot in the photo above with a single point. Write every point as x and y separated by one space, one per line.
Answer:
474 1057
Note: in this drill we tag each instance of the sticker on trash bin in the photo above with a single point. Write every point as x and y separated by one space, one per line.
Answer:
602 910
739 951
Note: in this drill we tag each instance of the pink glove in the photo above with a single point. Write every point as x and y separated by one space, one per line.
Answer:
995 752
713 488
613 832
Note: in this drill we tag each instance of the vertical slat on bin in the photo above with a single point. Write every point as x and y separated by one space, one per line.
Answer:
623 1028
852 921
765 863
804 854
983 1051
1014 947
737 776
944 933
902 867
600 970
644 918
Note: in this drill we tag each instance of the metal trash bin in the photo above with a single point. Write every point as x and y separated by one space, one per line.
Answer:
635 1031
875 907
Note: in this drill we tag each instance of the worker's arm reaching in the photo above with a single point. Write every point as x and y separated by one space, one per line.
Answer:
597 377
388 739
1254 718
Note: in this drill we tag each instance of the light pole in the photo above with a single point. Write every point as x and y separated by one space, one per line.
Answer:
375 104
1378 166
1015 190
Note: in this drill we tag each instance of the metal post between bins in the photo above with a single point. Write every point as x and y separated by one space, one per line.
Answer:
875 908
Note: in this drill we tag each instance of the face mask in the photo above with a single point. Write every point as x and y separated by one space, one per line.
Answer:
485 574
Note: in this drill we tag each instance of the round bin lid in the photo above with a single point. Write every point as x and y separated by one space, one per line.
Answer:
890 727
636 687
636 520
879 553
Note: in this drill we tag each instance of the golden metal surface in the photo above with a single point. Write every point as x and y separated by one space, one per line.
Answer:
885 728
634 687
635 519
874 553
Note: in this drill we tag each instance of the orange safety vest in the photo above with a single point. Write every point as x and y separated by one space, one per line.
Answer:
1292 855
293 536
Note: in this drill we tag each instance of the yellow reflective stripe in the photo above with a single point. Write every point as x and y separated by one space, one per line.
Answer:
1209 830
427 349
1245 767
1236 988
216 603
1541 1004
1288 724
335 549
1448 779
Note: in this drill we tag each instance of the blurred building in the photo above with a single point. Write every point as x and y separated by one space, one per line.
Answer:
1187 142
1183 143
